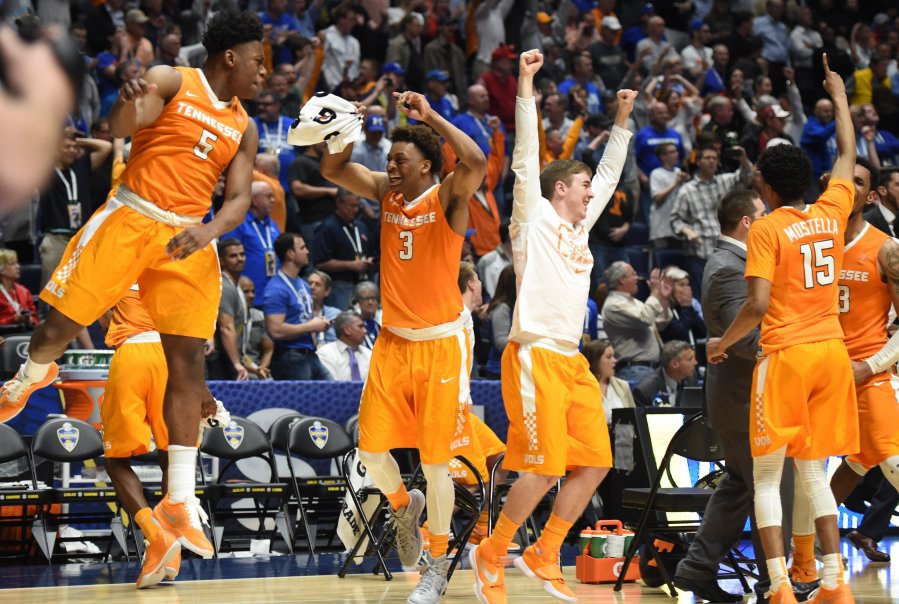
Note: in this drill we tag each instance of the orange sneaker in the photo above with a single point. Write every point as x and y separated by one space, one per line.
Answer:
840 595
156 556
784 595
489 576
803 571
173 567
536 564
185 520
14 393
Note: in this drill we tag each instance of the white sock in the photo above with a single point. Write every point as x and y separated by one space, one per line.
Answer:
777 572
182 472
34 371
832 573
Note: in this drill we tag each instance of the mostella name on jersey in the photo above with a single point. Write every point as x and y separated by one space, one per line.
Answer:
812 226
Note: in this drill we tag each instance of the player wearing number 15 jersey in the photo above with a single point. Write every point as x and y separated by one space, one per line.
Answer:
804 405
416 394
188 128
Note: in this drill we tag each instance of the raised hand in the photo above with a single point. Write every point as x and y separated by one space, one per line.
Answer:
833 83
626 99
413 104
530 62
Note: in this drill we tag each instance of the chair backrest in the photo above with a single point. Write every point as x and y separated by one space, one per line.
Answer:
240 439
280 429
697 441
14 353
318 438
66 439
352 427
12 446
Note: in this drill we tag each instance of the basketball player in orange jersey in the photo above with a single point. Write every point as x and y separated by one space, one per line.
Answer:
187 128
869 287
805 405
131 412
553 401
416 394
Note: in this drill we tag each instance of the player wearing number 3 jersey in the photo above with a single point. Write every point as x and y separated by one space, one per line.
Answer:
188 128
804 399
416 394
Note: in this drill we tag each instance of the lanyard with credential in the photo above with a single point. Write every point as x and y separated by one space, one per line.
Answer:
356 241
268 136
12 301
268 252
305 301
74 207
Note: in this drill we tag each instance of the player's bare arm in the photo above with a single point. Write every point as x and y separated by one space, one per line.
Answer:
353 177
886 357
459 186
238 181
141 100
279 329
747 319
844 167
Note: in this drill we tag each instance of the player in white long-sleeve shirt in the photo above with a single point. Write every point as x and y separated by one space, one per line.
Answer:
553 401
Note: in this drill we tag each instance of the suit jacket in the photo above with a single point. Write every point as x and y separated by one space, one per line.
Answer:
874 216
652 384
728 384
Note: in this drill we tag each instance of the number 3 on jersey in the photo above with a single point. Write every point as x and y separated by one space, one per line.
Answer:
844 298
204 146
816 266
406 238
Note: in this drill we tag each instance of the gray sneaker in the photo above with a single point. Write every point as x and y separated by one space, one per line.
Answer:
409 542
432 584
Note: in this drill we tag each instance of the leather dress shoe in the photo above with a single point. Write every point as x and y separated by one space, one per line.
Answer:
707 590
802 591
868 546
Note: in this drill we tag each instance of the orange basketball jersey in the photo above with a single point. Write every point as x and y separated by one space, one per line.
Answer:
420 255
176 161
865 299
801 252
129 318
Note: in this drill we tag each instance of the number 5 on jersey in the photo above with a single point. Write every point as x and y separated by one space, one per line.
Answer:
204 146
406 237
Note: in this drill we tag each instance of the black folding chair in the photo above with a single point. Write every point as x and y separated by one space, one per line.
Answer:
693 441
23 493
69 440
242 439
495 498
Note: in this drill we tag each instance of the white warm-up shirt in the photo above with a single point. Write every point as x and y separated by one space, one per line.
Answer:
551 256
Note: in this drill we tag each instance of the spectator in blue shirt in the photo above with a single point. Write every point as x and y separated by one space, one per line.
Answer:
474 121
283 27
258 233
656 133
273 128
632 35
437 84
289 315
818 137
582 75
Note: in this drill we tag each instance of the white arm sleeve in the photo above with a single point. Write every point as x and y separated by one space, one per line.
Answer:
526 162
886 357
608 173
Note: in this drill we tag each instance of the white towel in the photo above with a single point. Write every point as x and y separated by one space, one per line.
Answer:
326 117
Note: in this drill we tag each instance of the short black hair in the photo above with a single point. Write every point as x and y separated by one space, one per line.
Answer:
230 28
284 243
224 244
867 165
425 140
885 174
733 206
787 170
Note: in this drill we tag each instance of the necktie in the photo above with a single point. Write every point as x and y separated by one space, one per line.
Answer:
355 375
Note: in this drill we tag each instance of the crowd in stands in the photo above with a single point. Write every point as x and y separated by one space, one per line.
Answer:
719 81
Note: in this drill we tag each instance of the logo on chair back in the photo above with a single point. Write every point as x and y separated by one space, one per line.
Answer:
233 434
22 349
319 434
68 436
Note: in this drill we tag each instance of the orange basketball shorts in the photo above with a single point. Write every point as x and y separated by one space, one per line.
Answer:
878 421
804 399
131 410
555 412
412 396
477 444
118 247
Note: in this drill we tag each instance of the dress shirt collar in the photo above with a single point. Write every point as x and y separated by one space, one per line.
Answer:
733 241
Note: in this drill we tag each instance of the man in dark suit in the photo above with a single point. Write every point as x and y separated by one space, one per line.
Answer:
882 216
678 360
728 396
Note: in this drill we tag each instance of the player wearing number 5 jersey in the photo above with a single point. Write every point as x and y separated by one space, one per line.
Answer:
804 405
416 394
188 127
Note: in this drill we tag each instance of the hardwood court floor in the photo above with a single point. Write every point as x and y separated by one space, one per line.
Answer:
264 582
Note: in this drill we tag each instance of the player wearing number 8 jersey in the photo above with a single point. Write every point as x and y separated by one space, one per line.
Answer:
416 394
804 404
188 128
